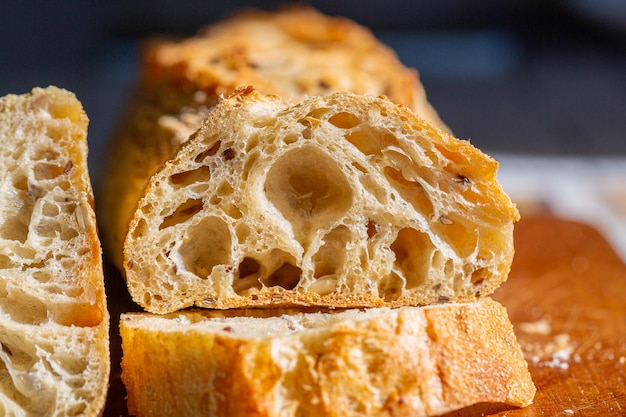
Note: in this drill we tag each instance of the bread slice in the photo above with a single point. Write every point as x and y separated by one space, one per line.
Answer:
341 201
412 361
54 340
294 53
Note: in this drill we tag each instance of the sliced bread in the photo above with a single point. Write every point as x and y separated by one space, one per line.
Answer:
345 200
54 340
412 361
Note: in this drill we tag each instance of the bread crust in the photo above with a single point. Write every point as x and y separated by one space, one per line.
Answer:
54 324
383 362
293 53
342 201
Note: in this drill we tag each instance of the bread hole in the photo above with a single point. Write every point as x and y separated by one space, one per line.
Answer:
330 257
42 276
206 244
60 110
18 353
19 181
5 262
413 250
82 314
390 287
183 213
139 230
309 123
359 167
247 276
211 151
372 229
344 120
22 307
232 211
53 229
452 230
291 138
181 179
286 276
307 187
225 188
55 131
44 171
17 223
479 276
249 163
242 231
318 113
411 191
50 210
366 142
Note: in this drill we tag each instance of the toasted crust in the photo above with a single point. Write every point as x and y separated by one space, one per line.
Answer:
341 201
294 53
54 321
380 362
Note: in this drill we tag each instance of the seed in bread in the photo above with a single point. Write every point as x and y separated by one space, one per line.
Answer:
54 340
411 361
293 53
341 201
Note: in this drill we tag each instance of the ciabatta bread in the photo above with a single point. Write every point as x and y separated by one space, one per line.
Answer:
294 53
54 356
341 201
408 362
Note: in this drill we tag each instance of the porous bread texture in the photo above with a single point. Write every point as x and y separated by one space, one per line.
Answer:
293 53
341 201
412 361
54 340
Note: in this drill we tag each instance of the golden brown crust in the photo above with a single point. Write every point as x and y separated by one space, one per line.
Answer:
54 321
406 362
292 53
343 201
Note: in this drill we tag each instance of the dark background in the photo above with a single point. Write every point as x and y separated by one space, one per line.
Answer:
529 77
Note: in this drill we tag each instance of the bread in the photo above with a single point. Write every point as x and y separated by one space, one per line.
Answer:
341 201
53 319
412 361
293 53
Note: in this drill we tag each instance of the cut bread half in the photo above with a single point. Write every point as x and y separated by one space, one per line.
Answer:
412 361
54 340
341 201
293 53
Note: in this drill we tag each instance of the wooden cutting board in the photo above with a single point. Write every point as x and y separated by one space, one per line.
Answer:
566 297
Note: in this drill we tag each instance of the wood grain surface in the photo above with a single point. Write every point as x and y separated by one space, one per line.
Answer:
566 296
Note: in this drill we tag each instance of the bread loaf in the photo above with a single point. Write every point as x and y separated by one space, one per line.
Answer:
294 53
341 201
412 361
54 356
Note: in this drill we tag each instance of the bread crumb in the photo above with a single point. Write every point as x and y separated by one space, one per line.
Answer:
541 326
622 360
568 411
554 354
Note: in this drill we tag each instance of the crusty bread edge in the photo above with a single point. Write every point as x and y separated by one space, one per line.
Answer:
441 358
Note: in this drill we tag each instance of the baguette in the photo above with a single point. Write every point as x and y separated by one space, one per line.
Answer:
293 53
341 201
54 356
412 361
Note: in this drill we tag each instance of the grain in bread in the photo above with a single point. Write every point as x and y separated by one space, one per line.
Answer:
294 53
412 361
341 201
54 356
